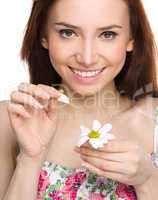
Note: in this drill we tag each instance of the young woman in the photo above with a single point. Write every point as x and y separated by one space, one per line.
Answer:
101 54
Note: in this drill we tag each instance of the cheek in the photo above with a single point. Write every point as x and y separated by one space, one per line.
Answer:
117 56
57 52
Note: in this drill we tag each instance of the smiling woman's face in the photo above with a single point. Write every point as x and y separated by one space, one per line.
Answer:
88 41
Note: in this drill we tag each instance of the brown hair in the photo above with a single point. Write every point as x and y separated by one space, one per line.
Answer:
136 79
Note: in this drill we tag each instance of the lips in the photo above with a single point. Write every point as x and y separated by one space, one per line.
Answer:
85 76
92 70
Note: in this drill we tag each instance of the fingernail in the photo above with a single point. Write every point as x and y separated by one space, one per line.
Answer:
27 115
38 105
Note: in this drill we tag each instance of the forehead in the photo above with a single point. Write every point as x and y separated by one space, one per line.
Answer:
82 12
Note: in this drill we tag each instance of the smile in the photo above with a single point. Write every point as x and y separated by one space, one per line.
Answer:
85 74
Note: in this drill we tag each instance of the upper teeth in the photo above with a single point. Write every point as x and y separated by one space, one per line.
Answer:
86 74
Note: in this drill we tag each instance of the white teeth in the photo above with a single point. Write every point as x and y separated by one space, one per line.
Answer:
86 74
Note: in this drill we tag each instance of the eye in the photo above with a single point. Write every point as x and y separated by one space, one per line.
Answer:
109 35
66 33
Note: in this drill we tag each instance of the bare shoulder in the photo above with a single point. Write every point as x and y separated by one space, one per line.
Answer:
143 121
8 149
146 107
6 131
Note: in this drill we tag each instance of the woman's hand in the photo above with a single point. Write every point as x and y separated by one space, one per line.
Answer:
123 161
33 115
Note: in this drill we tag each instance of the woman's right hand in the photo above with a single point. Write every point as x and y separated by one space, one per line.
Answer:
33 125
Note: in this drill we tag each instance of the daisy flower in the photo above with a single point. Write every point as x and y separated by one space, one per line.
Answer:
97 136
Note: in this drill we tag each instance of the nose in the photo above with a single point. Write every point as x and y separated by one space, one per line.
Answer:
86 55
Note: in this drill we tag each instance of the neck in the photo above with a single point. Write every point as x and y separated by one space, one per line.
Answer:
107 101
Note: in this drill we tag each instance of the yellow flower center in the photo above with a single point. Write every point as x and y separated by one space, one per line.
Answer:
94 134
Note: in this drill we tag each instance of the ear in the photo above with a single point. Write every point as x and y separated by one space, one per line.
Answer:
44 43
130 45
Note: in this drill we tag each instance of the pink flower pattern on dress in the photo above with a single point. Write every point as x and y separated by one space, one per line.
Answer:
124 192
43 183
95 196
79 184
57 182
72 183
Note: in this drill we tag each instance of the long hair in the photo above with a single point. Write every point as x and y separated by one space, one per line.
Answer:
138 75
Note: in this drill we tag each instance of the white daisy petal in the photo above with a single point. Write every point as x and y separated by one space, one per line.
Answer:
104 140
84 131
103 135
105 128
106 137
82 140
95 143
101 143
96 125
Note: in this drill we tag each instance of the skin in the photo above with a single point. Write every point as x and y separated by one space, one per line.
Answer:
86 48
126 159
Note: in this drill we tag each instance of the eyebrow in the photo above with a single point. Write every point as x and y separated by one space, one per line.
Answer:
77 27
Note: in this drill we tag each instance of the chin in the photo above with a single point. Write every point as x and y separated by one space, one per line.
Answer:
86 92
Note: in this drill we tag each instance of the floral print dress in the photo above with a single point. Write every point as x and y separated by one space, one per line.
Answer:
57 182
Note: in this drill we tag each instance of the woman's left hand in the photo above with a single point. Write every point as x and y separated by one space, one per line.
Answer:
123 161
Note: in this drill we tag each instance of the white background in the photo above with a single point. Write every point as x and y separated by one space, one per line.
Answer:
13 19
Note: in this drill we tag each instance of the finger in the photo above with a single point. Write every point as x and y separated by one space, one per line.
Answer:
17 109
38 91
117 146
106 165
51 90
33 90
111 147
115 157
107 174
52 108
25 99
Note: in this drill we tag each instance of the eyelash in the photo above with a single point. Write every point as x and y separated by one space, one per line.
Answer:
107 33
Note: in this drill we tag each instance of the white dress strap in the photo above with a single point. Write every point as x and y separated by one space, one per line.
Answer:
156 131
154 155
